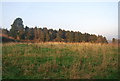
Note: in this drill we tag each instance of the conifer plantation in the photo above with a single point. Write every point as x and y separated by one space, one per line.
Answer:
35 34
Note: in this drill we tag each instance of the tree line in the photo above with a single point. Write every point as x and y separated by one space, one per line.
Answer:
19 32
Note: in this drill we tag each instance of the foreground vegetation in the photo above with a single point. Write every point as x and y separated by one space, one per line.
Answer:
59 61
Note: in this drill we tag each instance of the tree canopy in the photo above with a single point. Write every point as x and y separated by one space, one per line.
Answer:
19 32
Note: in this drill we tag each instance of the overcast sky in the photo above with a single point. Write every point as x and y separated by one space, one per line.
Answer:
91 17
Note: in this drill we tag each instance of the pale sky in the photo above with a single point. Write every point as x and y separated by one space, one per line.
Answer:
91 17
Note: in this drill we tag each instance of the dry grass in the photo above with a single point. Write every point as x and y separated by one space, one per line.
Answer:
56 60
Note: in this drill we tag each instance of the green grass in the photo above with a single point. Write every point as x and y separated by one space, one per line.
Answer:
59 61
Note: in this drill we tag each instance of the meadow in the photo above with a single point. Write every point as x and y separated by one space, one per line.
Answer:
55 60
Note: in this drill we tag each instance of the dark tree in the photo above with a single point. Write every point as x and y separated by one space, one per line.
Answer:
31 34
115 41
17 29
77 37
42 35
27 34
35 34
92 38
105 40
59 36
46 34
70 36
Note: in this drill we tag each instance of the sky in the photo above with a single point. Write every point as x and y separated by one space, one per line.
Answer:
100 18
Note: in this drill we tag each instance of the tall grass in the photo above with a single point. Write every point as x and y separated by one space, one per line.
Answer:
55 60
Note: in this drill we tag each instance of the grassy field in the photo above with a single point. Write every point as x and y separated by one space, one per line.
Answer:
59 61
